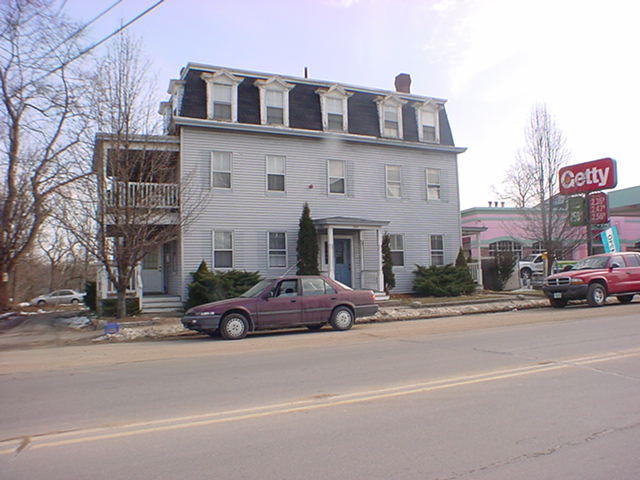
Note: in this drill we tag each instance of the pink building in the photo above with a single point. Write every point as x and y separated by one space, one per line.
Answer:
498 228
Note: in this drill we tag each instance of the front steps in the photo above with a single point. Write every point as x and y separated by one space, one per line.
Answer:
161 304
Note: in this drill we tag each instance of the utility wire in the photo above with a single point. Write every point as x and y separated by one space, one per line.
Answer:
84 27
97 44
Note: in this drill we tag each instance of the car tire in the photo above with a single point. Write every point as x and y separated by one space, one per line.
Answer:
234 326
558 302
342 319
41 303
525 273
625 298
596 295
75 301
315 326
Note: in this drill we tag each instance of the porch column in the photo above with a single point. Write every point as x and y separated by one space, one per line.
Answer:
331 260
479 260
380 275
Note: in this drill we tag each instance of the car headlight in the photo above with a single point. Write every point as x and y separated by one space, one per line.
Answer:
576 281
203 314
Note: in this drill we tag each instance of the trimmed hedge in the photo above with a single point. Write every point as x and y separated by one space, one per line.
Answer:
208 286
443 281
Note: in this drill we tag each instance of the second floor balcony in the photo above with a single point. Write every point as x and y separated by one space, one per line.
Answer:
142 195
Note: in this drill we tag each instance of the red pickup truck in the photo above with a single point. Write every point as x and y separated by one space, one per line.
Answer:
595 278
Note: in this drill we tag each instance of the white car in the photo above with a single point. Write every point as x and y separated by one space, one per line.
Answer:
58 297
531 264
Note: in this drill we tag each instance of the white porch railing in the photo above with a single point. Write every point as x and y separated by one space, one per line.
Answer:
143 194
106 289
369 280
476 272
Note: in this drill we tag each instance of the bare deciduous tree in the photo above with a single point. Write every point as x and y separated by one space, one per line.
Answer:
532 181
38 105
135 202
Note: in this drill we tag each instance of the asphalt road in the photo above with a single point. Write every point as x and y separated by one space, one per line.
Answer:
542 394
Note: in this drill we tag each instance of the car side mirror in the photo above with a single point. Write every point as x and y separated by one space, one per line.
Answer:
615 265
567 268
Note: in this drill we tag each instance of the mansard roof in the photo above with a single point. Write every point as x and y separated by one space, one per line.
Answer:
304 103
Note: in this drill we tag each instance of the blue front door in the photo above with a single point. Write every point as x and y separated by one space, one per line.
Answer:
342 247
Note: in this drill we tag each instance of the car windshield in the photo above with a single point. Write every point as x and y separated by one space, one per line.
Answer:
591 263
256 289
529 258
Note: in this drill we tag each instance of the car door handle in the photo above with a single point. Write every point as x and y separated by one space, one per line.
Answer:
293 301
334 298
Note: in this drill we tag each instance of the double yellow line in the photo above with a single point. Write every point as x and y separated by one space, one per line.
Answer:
107 432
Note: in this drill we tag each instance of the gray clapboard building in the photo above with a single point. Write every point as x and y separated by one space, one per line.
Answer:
254 147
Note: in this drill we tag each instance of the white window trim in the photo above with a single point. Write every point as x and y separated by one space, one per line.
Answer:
431 250
427 184
211 170
266 175
404 250
395 101
286 249
344 194
274 83
431 107
222 77
233 249
176 90
386 181
339 93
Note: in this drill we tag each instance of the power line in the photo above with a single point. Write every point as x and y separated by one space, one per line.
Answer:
97 44
84 27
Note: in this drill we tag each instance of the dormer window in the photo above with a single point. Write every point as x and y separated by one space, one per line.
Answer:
334 106
222 96
427 119
390 116
274 101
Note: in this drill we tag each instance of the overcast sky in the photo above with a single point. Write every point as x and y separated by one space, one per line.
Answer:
492 61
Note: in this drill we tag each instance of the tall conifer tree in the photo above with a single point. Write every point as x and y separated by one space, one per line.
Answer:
307 245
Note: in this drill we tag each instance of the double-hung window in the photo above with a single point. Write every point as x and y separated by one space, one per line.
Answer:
337 178
394 180
335 118
391 125
428 120
277 249
275 107
396 245
437 250
276 168
221 169
222 102
222 249
433 184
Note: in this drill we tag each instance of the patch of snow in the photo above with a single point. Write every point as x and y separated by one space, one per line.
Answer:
24 304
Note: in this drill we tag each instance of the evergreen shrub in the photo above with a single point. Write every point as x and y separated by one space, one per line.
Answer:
211 286
443 281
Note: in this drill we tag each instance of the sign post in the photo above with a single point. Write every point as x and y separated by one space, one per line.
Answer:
585 178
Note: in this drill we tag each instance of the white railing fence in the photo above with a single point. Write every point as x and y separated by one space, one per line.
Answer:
143 194
476 272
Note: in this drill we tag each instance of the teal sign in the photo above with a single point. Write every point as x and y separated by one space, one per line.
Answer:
577 215
611 240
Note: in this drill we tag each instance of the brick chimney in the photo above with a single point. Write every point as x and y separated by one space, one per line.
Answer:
403 83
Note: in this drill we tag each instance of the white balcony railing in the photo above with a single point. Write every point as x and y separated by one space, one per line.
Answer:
143 194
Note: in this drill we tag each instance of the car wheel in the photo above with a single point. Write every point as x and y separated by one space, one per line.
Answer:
558 302
625 298
342 319
41 303
525 273
316 326
75 301
234 326
596 295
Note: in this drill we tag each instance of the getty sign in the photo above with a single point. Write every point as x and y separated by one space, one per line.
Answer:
588 177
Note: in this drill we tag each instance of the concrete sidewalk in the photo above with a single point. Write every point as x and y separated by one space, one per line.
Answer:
32 334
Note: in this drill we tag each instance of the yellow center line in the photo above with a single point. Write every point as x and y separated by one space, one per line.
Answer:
306 405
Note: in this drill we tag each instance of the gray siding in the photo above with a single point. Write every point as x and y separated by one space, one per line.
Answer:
250 211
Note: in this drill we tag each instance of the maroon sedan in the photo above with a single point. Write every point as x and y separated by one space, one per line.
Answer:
290 301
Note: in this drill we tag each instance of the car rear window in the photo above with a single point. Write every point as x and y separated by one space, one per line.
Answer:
633 260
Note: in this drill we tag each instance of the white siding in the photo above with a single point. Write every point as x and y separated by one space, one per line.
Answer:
250 211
